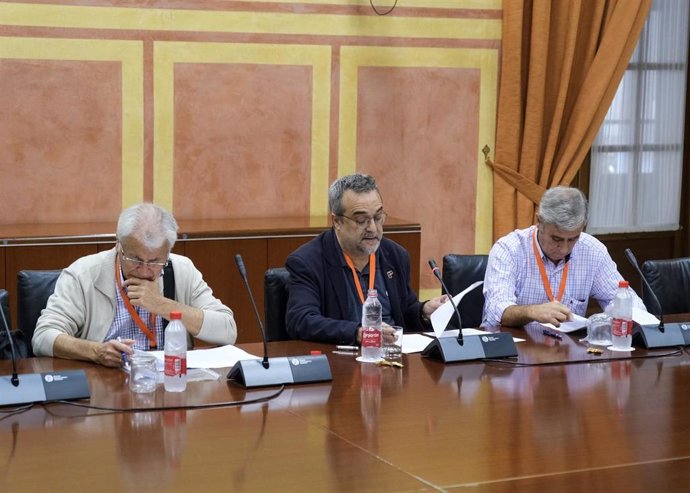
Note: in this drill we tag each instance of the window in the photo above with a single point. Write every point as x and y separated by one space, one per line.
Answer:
637 157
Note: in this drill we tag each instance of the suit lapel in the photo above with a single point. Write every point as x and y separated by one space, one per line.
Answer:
334 272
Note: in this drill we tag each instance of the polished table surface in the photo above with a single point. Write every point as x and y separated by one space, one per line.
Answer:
604 423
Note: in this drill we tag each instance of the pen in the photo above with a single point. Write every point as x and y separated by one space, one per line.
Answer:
347 348
552 334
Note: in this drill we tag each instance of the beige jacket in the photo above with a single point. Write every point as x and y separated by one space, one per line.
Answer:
83 304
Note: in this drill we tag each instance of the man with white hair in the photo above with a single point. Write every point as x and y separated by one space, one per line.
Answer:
118 300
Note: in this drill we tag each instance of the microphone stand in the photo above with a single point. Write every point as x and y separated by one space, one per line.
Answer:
453 349
437 273
276 371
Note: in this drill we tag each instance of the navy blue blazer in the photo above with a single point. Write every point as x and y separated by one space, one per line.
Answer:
318 301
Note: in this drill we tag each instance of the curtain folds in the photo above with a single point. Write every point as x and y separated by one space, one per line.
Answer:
561 65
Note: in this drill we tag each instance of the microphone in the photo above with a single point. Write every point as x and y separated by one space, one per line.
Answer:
631 258
243 274
663 334
437 273
15 378
40 387
452 349
280 370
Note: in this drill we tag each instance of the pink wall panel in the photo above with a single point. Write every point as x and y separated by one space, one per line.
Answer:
414 124
60 141
242 140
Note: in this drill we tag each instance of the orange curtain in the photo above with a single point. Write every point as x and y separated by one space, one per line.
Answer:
561 65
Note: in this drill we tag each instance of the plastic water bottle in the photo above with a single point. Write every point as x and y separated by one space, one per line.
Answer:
175 354
372 337
622 324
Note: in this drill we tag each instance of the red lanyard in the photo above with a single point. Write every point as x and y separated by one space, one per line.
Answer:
372 273
542 271
150 332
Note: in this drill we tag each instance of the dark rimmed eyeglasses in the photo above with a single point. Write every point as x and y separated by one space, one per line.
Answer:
363 221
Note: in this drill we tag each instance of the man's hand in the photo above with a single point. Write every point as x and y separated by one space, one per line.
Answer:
553 312
110 353
144 293
431 305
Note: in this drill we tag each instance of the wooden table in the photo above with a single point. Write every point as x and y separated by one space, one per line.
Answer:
621 425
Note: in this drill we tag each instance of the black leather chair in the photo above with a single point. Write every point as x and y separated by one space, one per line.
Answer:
34 287
5 306
670 281
21 347
459 271
275 303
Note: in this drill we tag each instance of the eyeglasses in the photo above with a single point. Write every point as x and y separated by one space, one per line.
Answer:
363 221
141 263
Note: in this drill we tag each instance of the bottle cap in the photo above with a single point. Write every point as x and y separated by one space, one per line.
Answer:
623 284
372 292
175 315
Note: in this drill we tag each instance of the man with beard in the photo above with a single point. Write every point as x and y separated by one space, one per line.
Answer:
330 274
119 300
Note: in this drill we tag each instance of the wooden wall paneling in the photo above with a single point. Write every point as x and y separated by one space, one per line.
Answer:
280 248
2 266
216 261
39 257
411 242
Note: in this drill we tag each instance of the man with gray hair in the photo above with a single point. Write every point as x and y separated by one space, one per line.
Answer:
330 274
115 301
549 270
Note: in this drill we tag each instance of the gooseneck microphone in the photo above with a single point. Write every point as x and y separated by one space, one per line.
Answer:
453 349
6 326
437 273
661 334
40 387
631 258
279 370
243 274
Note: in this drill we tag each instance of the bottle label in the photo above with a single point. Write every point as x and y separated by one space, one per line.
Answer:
371 337
175 366
621 328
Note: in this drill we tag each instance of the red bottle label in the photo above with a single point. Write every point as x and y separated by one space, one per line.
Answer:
371 337
620 327
175 366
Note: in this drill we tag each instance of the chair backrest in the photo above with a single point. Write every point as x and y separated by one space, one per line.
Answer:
34 287
670 281
5 306
275 303
459 272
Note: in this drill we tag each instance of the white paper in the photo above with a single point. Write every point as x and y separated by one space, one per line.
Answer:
414 343
219 357
644 318
640 316
443 314
577 322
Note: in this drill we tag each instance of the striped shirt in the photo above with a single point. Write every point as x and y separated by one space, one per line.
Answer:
512 276
125 327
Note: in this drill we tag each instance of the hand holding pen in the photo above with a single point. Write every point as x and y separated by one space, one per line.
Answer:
125 348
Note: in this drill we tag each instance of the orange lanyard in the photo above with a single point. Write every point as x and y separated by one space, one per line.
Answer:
372 273
542 271
150 332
